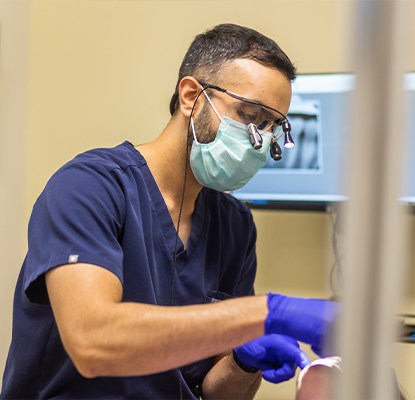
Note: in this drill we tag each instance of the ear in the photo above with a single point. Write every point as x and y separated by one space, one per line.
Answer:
189 88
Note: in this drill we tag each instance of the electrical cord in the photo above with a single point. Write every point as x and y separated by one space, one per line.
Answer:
336 271
178 227
182 200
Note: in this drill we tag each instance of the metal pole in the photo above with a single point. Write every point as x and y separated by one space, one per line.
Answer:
374 221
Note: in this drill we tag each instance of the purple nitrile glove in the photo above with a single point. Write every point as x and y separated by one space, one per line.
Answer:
277 356
307 320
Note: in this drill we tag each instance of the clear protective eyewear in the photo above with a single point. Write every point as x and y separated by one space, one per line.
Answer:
259 117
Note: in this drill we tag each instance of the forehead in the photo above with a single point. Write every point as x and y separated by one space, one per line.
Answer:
255 81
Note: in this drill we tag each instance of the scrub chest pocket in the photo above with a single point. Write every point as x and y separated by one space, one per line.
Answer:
214 296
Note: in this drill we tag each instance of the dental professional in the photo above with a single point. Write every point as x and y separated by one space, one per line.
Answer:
138 281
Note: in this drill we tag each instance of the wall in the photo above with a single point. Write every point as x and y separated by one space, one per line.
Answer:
100 72
14 25
103 71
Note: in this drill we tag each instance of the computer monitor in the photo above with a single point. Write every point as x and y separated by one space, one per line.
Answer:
311 175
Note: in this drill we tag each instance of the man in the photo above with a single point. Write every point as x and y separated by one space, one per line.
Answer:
127 244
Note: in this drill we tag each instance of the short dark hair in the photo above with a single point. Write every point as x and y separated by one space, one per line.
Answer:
211 49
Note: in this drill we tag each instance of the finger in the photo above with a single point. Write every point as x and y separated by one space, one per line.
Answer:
293 353
319 351
285 373
302 359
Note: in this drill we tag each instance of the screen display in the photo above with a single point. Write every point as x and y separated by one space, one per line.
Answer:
310 175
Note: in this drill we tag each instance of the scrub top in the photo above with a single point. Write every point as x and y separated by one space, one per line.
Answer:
104 208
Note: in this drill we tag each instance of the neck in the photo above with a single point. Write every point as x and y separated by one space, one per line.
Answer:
167 159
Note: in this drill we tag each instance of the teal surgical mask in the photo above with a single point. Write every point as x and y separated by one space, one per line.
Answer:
230 161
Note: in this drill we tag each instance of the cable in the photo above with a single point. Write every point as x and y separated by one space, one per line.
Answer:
178 226
336 271
182 202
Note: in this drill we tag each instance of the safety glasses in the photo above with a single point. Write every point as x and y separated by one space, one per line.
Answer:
263 117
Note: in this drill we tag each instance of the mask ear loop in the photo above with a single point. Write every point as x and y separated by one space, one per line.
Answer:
191 121
210 102
193 131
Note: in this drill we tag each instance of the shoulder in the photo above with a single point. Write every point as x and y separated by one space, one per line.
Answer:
93 179
119 157
97 165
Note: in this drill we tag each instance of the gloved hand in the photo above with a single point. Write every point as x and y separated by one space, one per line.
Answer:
276 356
307 320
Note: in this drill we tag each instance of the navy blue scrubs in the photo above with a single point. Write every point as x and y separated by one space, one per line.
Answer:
104 208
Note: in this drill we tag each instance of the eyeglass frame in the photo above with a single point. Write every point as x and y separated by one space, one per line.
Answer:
284 123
